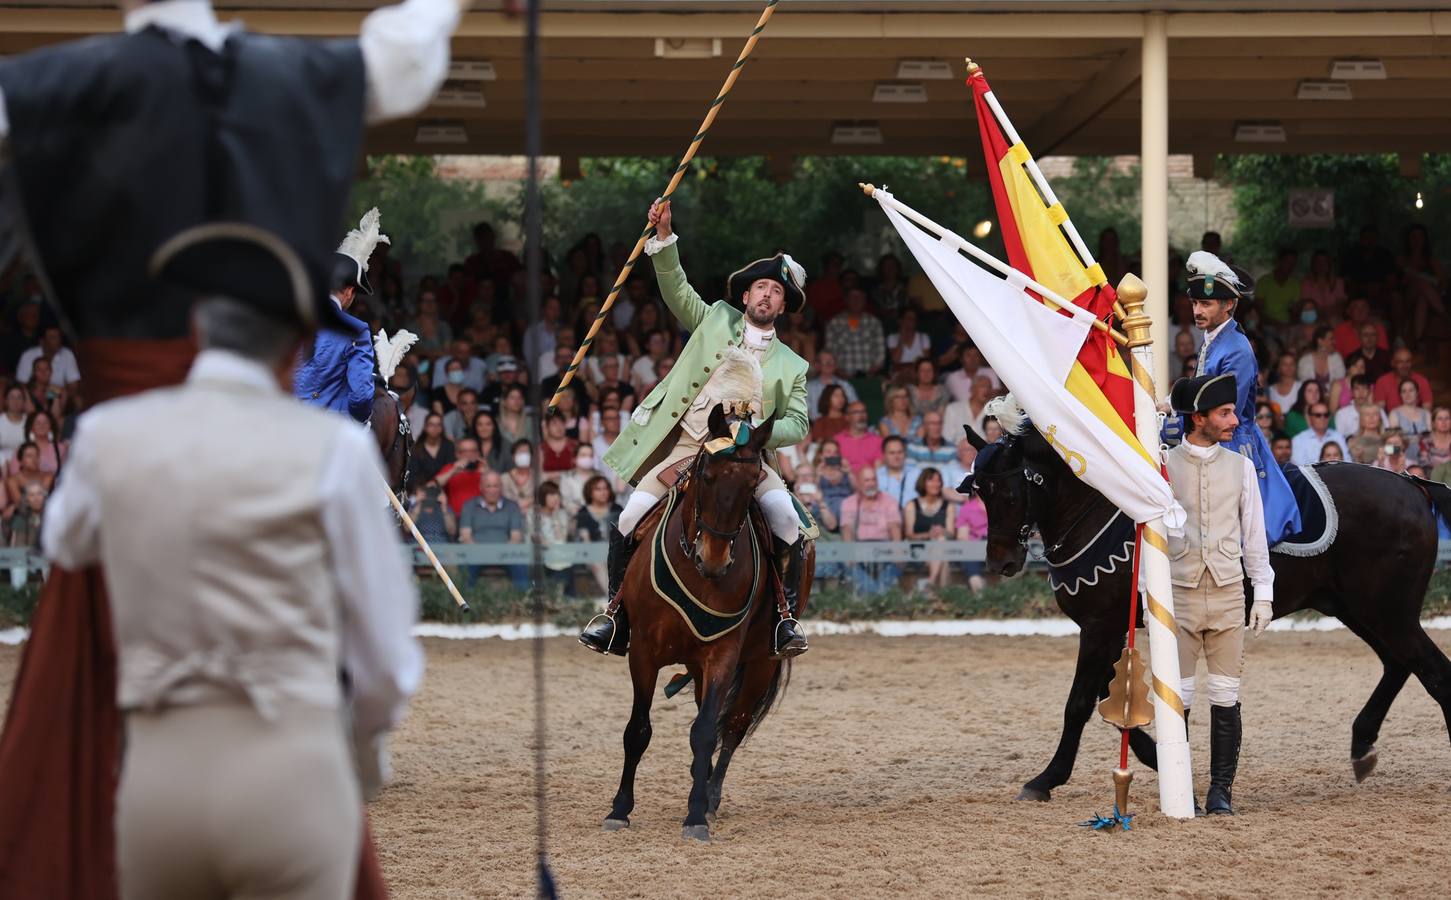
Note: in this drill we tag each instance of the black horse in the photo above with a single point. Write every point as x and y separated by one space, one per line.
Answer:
1372 577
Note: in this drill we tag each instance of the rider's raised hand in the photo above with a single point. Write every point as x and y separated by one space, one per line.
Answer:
660 218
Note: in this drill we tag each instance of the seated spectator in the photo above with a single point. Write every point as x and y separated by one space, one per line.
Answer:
557 358
516 422
1410 416
889 294
1298 419
969 411
823 293
433 517
969 366
63 369
609 380
826 375
793 331
40 428
576 424
458 421
1435 445
461 478
1365 442
1185 349
606 348
1349 337
491 518
26 333
855 336
930 516
954 472
456 295
895 477
1283 388
1331 453
26 522
1277 290
434 334
1265 419
1281 448
1347 418
12 423
860 446
506 375
557 451
648 318
1323 286
1374 361
1423 281
1388 387
1305 446
832 477
40 393
473 368
606 430
1321 363
642 372
493 450
551 524
808 490
572 483
539 337
500 349
432 452
931 448
25 471
971 525
829 414
594 519
1392 456
1342 392
907 345
925 392
518 480
899 420
869 515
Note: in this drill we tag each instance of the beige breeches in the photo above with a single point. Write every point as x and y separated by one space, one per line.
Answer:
1211 624
217 802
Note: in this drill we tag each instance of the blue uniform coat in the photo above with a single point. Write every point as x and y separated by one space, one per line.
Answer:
339 375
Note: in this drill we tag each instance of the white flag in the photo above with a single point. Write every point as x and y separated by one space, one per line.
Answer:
1034 349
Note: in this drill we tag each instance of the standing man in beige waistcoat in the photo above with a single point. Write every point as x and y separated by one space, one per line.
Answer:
1223 539
265 567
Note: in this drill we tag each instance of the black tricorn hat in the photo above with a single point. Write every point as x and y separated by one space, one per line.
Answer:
781 269
349 272
251 265
1203 393
1211 278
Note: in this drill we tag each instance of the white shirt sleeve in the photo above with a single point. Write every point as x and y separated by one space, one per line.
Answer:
1252 535
405 53
70 530
379 602
25 364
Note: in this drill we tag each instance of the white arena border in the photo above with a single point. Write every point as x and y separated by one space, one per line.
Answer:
884 628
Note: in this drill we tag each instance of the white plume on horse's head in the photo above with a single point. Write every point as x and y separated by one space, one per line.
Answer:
1202 262
1008 412
391 352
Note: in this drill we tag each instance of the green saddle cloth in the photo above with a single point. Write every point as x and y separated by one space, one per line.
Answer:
706 622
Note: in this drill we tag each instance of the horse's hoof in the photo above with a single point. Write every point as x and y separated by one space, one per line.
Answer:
1030 793
695 833
616 824
1365 765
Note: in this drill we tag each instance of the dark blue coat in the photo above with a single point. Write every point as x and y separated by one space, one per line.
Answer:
339 375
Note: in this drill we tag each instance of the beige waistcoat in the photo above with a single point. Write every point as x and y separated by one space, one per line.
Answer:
1209 490
214 552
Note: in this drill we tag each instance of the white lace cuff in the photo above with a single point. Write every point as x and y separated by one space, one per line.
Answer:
654 245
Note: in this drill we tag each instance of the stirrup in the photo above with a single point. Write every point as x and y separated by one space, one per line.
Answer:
614 633
790 650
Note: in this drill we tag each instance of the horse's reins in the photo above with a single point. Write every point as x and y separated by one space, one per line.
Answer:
1034 478
687 539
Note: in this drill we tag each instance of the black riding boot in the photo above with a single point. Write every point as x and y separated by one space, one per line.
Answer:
1224 734
789 638
609 632
1198 810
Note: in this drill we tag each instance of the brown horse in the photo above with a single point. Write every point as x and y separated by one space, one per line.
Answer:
718 546
389 423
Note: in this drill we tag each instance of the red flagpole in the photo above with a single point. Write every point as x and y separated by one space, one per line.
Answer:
1123 750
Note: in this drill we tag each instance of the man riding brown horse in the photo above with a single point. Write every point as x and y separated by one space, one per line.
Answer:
728 340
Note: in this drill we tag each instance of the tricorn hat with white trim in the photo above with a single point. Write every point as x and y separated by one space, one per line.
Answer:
1211 278
781 269
350 267
1203 393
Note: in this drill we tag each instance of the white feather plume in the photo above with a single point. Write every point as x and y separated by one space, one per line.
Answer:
1202 262
1008 412
391 351
795 271
361 241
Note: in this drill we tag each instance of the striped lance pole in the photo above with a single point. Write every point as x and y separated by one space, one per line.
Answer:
695 142
1176 787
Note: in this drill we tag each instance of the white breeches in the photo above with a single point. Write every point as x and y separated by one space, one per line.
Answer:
776 504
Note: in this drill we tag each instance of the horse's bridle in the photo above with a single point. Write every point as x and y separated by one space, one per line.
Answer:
691 537
1035 479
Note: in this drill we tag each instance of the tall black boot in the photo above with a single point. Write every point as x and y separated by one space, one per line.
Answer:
788 638
1224 735
609 632
1198 810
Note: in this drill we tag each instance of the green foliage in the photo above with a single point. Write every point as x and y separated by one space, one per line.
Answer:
1369 190
1099 195
16 606
1018 598
427 217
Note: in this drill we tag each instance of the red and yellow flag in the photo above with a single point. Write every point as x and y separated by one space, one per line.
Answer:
1033 235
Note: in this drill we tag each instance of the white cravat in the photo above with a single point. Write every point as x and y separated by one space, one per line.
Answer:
1204 347
758 339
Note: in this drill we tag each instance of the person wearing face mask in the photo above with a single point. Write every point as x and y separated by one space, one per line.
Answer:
732 354
519 480
1321 363
572 482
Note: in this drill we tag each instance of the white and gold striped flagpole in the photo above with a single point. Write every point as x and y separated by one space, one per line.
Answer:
1176 781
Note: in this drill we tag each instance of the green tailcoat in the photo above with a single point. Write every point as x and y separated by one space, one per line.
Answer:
712 327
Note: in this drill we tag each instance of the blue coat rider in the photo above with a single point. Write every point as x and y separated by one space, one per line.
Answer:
1215 289
339 373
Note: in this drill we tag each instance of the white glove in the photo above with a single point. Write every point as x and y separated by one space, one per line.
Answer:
1260 615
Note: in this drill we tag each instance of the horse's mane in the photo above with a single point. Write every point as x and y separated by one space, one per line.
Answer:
1009 413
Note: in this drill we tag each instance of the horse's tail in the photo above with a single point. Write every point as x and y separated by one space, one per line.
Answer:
774 692
1440 496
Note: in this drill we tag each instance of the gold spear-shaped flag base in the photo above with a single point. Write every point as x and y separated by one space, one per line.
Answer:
1127 704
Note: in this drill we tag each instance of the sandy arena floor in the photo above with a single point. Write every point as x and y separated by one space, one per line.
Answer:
891 771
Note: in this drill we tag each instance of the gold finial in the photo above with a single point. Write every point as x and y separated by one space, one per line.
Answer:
972 67
868 189
1133 293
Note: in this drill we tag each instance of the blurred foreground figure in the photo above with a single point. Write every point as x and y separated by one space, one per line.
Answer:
114 145
266 574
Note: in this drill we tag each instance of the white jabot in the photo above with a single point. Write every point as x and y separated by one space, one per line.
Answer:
757 338
1251 523
1209 339
188 18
